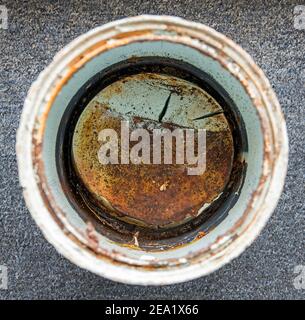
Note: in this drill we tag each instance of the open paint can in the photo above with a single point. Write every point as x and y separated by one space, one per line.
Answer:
152 150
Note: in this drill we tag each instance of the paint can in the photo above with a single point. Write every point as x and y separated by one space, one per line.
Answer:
141 60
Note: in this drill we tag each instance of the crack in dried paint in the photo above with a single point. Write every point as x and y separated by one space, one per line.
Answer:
164 110
212 114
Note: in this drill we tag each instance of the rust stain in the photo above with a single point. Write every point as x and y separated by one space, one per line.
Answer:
156 195
92 236
200 235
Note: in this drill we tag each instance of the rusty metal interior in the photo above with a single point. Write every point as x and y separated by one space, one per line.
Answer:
154 207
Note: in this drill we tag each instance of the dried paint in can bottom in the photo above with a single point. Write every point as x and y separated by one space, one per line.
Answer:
155 207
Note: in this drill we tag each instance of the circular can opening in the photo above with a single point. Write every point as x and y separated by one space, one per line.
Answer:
152 148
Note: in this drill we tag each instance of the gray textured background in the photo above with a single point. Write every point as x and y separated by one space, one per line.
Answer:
37 30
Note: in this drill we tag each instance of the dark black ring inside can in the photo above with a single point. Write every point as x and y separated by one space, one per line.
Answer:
86 205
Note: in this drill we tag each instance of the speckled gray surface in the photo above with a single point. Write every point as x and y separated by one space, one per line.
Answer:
37 30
